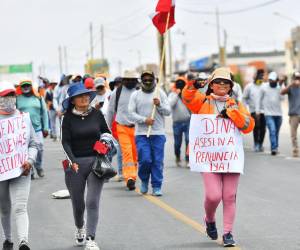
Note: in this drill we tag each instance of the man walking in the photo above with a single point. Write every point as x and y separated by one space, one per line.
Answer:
150 149
118 108
35 105
181 119
250 98
293 92
270 101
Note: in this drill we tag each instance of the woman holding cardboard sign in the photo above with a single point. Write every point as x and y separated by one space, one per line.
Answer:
219 186
18 151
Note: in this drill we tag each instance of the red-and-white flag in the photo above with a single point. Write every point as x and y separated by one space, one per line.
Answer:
160 17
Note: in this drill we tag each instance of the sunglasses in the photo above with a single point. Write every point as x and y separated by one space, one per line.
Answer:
221 81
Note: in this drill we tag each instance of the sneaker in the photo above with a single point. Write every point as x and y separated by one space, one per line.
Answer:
91 244
24 245
273 152
177 161
261 148
144 187
156 192
119 178
256 148
8 245
80 235
131 184
40 172
211 230
187 164
228 240
295 153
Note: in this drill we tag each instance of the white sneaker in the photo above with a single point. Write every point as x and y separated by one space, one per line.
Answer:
91 245
80 235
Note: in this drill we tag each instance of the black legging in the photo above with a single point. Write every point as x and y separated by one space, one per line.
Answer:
76 183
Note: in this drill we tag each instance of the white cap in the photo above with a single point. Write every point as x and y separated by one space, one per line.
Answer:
273 76
6 88
99 81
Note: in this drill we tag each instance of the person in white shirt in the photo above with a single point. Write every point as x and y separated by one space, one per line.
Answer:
101 101
250 97
270 101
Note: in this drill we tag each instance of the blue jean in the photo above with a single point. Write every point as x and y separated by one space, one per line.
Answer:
180 128
273 124
151 158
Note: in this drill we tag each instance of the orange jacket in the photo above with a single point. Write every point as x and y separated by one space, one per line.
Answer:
200 103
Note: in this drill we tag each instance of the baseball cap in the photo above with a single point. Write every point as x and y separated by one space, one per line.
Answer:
99 81
6 88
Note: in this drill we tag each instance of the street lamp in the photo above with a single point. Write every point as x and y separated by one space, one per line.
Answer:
294 21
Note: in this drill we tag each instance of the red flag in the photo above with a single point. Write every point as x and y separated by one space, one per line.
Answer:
160 18
164 6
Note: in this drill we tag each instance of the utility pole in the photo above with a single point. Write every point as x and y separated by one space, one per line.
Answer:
102 41
91 41
221 50
66 60
120 67
60 60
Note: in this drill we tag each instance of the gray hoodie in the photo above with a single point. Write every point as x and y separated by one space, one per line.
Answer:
180 112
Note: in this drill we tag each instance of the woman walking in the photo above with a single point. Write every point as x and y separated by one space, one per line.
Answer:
219 186
82 126
14 189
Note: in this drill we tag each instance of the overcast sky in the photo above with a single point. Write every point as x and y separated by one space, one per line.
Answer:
32 30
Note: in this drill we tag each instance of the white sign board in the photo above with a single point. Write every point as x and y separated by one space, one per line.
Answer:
216 145
14 138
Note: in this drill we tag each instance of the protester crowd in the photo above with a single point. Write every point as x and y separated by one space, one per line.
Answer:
127 115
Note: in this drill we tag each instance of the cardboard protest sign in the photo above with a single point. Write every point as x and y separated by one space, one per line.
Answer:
216 145
14 138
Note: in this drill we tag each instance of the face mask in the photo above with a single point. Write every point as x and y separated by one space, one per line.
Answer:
273 84
7 104
258 81
129 84
148 85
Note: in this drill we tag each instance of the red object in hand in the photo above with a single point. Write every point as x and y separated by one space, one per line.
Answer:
101 148
65 164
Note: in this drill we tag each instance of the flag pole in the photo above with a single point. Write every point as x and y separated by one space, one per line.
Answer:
163 54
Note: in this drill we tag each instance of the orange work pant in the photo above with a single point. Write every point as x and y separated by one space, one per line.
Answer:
129 154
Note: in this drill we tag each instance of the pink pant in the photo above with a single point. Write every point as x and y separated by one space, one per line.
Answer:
221 187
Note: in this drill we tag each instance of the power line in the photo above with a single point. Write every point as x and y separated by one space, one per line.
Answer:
132 35
229 12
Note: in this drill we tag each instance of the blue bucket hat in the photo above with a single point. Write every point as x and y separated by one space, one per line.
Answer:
77 89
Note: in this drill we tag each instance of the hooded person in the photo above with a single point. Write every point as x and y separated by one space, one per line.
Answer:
118 111
15 189
269 101
150 149
181 119
250 97
219 186
82 127
29 102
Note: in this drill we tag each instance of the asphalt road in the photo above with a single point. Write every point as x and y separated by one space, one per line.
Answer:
268 200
